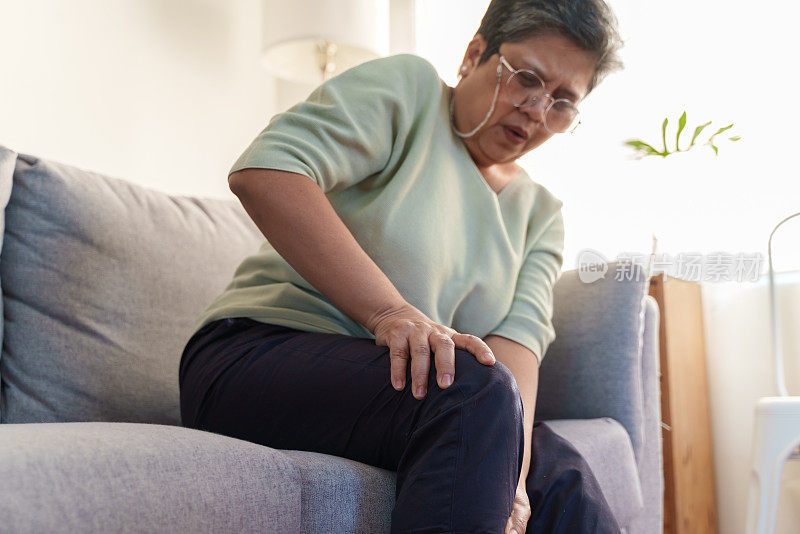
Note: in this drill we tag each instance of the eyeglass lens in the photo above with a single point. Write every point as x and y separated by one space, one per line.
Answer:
523 86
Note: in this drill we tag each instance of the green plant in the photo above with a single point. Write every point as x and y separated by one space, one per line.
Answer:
644 149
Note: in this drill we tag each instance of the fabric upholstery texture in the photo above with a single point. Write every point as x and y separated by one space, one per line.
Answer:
650 464
8 159
130 477
593 368
340 495
606 446
110 277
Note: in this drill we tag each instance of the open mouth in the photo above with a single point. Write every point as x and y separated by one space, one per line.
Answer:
513 135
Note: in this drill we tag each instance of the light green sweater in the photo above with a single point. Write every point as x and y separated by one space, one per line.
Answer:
377 139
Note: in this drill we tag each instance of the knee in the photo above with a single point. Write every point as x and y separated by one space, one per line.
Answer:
569 500
573 482
493 385
580 488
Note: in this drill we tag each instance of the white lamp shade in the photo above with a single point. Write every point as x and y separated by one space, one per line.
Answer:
292 30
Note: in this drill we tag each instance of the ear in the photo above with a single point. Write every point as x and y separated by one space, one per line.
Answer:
472 55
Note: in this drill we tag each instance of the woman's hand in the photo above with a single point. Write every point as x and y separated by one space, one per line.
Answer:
410 334
518 520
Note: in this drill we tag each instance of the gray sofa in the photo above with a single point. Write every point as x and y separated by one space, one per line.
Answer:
101 283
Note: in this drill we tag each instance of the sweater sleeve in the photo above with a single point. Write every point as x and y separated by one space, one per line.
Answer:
346 129
529 320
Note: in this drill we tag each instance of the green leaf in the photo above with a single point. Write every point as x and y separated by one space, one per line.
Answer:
641 146
681 126
735 138
711 139
697 132
728 127
664 136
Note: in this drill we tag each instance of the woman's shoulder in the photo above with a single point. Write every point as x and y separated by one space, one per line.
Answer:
405 62
414 71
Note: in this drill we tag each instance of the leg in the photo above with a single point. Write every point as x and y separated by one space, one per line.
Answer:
564 494
457 453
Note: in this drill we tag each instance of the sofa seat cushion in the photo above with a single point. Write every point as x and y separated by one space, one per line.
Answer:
341 495
130 477
102 283
606 446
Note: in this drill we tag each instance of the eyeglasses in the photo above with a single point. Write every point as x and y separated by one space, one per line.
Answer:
525 88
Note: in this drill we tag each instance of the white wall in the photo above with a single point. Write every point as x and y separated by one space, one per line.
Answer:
165 93
738 350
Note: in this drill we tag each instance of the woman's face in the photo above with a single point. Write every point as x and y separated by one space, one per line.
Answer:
565 69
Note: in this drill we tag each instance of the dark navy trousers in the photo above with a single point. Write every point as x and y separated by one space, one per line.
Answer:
457 452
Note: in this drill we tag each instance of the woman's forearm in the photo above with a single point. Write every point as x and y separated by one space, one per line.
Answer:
299 222
524 365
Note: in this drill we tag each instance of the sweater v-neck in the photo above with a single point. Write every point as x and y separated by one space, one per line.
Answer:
462 147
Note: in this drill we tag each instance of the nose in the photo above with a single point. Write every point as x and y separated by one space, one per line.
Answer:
535 108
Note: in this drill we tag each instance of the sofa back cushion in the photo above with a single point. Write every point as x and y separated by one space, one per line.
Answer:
7 161
102 281
593 368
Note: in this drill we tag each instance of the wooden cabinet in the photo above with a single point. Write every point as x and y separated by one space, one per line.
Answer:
689 503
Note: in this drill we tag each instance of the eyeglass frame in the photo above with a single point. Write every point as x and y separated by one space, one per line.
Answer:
504 62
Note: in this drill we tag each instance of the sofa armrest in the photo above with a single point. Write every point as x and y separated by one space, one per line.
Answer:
131 477
651 462
593 368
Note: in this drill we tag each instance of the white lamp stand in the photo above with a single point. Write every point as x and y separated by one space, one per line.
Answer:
776 436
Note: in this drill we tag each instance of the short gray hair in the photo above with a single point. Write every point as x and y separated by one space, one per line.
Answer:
590 24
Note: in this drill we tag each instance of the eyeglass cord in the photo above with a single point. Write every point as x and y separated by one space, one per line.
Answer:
489 114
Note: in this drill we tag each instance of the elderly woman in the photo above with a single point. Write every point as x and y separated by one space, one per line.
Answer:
399 310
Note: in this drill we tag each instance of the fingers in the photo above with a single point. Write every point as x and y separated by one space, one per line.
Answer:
445 357
476 346
518 520
520 514
411 339
513 527
398 360
420 362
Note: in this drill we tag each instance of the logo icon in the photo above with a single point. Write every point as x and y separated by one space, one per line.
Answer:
592 266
